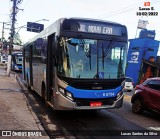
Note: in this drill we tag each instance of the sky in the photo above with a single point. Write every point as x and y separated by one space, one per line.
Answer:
121 11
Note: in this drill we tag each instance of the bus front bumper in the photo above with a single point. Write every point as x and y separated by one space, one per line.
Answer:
62 103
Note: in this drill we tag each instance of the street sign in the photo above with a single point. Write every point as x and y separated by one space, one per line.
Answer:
34 27
142 24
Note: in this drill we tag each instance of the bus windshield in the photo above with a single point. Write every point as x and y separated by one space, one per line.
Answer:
87 58
17 59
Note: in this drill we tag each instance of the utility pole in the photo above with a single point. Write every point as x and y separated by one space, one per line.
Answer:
3 27
2 35
13 26
13 19
12 35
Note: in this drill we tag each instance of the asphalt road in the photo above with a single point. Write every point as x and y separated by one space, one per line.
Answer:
93 124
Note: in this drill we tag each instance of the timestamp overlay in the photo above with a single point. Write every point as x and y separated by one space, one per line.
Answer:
147 10
147 13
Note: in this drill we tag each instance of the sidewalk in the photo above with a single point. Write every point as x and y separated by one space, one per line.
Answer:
15 112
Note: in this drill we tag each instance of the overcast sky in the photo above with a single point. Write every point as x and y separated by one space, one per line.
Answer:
121 11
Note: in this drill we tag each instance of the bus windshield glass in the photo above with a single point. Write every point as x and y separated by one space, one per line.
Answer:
87 58
17 59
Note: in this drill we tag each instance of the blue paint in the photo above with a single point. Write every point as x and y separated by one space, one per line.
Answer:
93 94
20 67
101 75
141 48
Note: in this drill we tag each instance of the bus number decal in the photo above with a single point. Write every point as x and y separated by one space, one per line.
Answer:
110 94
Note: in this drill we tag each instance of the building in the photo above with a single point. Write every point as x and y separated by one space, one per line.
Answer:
142 60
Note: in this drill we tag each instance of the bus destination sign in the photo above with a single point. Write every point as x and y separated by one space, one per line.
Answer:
100 28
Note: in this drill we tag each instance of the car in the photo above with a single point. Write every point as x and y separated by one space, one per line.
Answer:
146 96
129 84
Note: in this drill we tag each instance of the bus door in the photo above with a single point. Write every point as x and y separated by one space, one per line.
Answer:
50 75
35 64
23 64
30 65
27 63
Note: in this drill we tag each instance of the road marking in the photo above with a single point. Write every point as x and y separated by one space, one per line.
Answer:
127 98
154 128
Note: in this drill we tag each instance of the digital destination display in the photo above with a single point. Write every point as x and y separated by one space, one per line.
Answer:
100 28
93 27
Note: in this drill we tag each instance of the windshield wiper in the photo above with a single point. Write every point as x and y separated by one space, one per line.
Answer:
109 47
96 76
105 53
90 57
103 56
120 71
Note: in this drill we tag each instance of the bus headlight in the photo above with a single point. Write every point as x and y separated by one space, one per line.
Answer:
16 67
69 95
61 90
65 93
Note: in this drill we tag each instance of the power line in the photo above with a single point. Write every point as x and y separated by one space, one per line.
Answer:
120 10
123 10
5 14
25 4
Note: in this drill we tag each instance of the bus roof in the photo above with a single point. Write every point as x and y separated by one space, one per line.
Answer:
96 20
51 29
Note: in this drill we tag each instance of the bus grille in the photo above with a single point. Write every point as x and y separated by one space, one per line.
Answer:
86 102
91 86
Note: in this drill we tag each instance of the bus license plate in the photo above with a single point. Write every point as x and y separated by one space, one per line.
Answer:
95 104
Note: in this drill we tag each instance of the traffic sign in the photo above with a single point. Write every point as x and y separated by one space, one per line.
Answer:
34 27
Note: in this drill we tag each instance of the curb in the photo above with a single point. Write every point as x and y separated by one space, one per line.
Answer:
23 89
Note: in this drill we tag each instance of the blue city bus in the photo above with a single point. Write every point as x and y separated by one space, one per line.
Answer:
78 64
16 61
